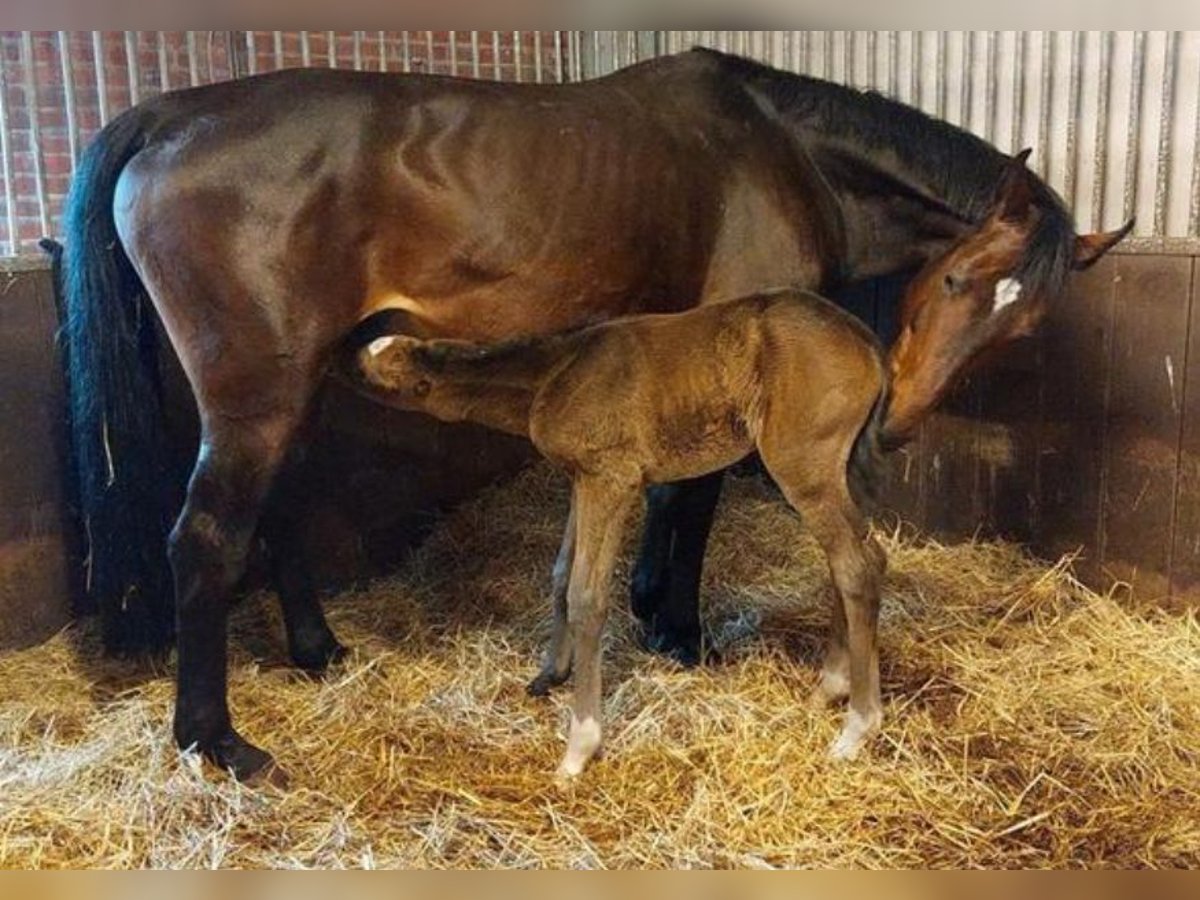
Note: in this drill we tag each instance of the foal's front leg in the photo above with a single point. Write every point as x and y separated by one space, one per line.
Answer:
602 511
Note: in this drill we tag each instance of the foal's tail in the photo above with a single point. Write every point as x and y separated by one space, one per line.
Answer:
127 491
866 463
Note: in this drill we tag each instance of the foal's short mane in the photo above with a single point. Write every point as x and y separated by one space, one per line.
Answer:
946 161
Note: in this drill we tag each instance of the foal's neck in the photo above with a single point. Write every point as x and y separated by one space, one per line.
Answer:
490 385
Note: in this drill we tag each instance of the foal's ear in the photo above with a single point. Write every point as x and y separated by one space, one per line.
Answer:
1090 247
1014 193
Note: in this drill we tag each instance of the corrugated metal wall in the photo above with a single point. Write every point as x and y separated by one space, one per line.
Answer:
1113 117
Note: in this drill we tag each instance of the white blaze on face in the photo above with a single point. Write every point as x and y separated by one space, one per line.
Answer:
1008 292
379 345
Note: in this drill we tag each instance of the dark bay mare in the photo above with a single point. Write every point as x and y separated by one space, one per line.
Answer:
263 219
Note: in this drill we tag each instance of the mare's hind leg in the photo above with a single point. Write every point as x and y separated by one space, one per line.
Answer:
820 494
602 510
208 550
557 667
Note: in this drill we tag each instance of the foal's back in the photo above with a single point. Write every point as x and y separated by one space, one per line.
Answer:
675 396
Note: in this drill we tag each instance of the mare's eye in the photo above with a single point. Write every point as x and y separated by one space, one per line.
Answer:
954 285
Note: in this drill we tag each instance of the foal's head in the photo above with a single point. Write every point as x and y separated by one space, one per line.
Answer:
990 288
390 364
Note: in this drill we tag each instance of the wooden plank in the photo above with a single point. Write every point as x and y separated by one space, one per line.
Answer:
952 501
1185 564
36 573
1009 447
1143 424
1076 349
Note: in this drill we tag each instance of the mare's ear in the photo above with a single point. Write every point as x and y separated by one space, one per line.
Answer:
1090 247
1014 193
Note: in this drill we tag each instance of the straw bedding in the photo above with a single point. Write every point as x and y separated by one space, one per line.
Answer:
1029 723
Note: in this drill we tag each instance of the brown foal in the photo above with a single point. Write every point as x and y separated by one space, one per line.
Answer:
660 398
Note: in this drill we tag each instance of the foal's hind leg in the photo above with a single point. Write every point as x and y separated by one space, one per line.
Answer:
557 667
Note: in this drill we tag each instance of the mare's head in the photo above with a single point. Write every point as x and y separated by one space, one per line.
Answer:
991 287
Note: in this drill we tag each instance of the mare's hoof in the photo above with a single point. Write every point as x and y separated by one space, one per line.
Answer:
545 683
316 661
243 760
685 649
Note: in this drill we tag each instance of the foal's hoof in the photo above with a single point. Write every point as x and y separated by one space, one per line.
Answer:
545 683
856 732
683 648
317 660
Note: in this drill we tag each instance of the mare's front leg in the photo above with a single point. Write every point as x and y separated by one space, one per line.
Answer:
557 667
665 592
602 510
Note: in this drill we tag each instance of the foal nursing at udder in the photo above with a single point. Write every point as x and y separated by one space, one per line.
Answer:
655 399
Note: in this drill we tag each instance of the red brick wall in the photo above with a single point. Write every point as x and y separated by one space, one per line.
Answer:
174 59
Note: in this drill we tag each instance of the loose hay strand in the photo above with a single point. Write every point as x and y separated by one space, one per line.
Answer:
1030 722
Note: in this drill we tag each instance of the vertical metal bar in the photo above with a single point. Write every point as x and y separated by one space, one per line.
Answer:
453 42
806 52
278 41
429 66
558 57
193 62
251 54
475 62
101 75
68 80
10 201
305 50
1018 89
894 65
331 49
10 205
1135 124
1194 209
943 89
133 71
497 71
827 62
517 54
1103 95
537 57
358 51
916 76
405 52
872 60
35 140
991 97
381 37
164 65
1046 98
1166 118
966 96
848 57
1074 98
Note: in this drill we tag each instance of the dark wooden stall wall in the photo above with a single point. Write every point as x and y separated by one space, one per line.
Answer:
35 534
1085 438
